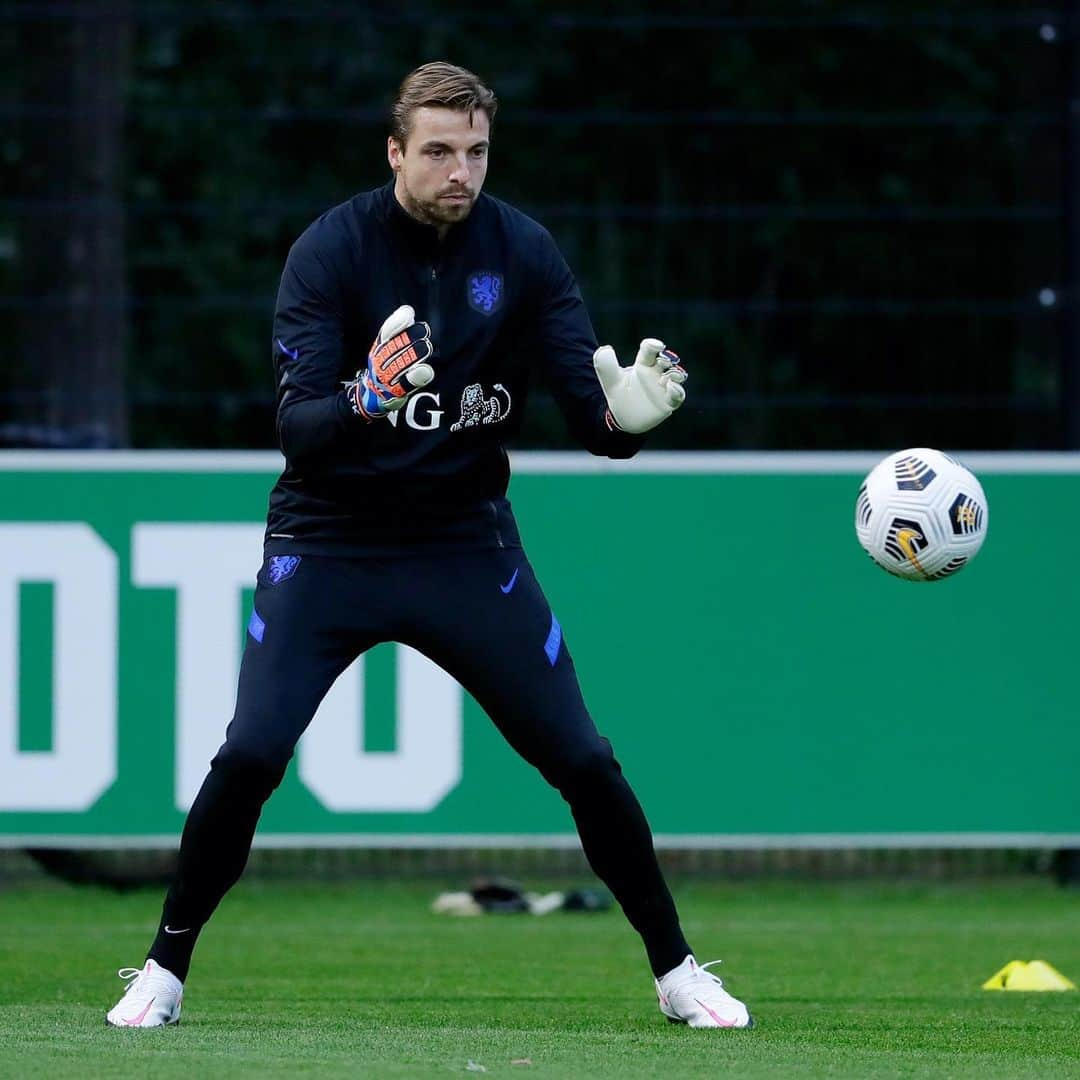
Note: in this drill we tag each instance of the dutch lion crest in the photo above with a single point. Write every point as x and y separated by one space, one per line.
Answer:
485 290
281 567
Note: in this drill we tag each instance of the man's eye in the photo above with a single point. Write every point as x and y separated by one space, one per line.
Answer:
479 152
436 153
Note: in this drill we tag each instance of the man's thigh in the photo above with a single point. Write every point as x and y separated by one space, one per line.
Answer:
483 617
311 619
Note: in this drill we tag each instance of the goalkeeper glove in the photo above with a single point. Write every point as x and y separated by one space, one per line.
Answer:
643 395
396 366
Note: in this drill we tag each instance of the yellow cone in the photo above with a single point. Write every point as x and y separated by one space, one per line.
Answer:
1036 975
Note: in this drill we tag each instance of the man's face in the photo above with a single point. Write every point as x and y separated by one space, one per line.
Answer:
441 169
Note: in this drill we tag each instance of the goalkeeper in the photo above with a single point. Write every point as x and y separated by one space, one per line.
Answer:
390 521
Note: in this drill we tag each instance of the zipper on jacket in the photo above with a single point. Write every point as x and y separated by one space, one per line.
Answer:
433 305
495 516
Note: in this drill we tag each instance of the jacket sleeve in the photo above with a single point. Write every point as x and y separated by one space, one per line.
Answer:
313 412
566 342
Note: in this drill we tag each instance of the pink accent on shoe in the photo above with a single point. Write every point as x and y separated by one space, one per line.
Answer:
719 1021
142 1016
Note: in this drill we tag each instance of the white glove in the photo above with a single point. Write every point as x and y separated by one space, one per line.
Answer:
646 394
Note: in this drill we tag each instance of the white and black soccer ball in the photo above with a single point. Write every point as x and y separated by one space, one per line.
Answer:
921 515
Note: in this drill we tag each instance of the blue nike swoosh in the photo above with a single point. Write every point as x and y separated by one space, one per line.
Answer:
510 584
293 354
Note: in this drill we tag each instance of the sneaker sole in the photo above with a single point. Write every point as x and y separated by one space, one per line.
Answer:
133 1027
746 1027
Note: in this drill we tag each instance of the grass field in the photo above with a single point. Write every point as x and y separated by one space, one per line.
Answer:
860 980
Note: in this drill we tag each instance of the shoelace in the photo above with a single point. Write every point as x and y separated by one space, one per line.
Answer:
711 963
700 968
131 976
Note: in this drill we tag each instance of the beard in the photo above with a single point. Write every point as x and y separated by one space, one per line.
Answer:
437 211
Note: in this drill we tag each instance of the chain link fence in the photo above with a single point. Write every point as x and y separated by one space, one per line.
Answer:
855 223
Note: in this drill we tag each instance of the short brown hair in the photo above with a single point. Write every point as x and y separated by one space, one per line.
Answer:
438 85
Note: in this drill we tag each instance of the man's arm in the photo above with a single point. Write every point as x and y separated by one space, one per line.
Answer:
567 342
313 412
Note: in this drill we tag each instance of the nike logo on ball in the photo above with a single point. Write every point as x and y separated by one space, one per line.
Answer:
906 538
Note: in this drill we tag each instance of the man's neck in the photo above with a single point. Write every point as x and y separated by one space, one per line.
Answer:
410 208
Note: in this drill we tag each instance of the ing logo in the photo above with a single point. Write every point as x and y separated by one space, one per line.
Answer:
477 409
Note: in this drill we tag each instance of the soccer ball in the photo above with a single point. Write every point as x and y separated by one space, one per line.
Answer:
921 515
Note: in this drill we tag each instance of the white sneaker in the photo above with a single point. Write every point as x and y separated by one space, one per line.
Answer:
152 998
689 994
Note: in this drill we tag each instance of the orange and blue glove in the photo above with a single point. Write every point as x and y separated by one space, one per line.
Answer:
396 366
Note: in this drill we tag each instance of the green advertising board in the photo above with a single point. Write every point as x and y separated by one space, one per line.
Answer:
761 681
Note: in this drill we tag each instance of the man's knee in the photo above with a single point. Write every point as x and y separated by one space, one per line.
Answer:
246 769
590 767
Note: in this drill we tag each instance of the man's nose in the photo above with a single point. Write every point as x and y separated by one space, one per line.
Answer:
461 169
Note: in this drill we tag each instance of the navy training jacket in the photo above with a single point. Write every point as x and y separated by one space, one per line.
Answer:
503 308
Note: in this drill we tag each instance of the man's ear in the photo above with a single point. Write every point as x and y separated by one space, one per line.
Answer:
394 153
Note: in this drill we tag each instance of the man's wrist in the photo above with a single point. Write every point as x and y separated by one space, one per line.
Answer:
354 394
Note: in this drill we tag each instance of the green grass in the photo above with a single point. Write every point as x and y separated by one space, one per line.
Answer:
867 980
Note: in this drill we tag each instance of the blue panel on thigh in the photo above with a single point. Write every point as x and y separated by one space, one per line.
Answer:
554 640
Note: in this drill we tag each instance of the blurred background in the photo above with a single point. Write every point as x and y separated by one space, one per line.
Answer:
857 222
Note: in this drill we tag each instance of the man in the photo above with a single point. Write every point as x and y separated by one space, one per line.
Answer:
390 521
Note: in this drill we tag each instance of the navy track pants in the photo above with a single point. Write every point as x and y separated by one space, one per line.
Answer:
480 615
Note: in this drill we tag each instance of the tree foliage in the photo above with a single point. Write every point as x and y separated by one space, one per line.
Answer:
843 219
